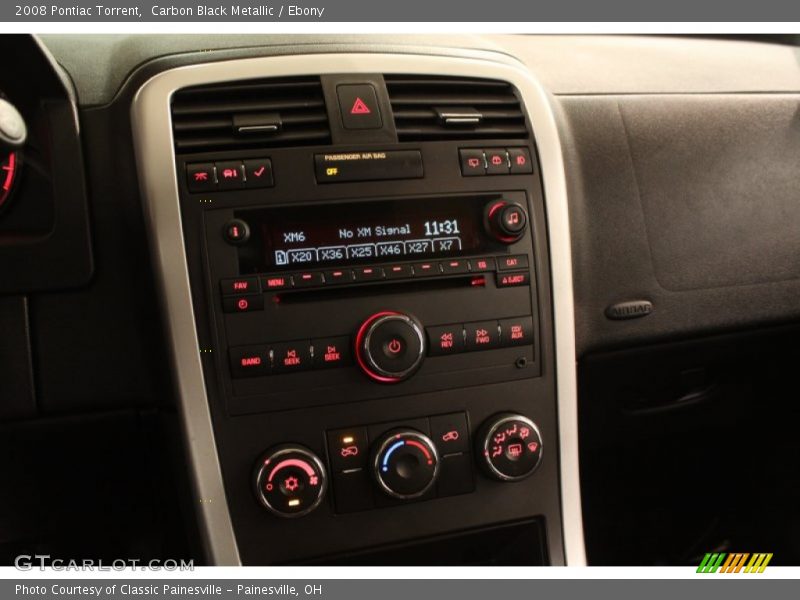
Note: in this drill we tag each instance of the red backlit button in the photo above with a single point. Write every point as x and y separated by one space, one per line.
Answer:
516 332
258 173
482 335
348 448
339 276
234 304
473 162
249 361
445 339
450 433
455 265
291 356
520 160
241 285
200 177
276 282
513 279
399 271
230 175
426 269
331 352
236 232
480 265
308 279
368 273
359 106
512 263
496 161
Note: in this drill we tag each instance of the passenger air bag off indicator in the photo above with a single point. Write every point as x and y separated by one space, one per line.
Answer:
368 166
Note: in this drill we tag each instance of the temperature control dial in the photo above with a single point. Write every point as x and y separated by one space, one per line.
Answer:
290 481
506 221
511 447
390 346
405 463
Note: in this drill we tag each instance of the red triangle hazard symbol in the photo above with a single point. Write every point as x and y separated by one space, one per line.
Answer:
360 107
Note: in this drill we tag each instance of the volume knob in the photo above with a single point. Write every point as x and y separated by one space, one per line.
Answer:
506 221
390 346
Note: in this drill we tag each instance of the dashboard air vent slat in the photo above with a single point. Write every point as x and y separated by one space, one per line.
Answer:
208 118
421 104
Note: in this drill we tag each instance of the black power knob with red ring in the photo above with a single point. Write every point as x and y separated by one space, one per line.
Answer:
390 346
505 221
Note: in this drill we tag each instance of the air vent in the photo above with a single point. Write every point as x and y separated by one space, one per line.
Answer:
447 108
250 114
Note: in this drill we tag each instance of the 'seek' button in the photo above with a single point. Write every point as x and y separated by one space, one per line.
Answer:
331 352
291 356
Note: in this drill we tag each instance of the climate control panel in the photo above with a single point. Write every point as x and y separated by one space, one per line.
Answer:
386 464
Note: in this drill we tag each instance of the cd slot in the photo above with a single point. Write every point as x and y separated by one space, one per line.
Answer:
375 288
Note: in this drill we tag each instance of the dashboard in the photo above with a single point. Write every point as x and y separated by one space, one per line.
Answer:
361 301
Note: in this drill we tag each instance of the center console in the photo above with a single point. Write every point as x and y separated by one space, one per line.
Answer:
362 256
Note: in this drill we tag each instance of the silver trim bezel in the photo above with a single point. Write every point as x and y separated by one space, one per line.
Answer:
155 159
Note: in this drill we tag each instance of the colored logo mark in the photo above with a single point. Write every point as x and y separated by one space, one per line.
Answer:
736 562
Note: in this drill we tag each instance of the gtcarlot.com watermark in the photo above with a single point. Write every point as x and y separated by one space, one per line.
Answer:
42 562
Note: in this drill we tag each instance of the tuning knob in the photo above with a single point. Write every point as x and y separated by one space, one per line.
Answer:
390 346
506 221
405 463
290 481
511 447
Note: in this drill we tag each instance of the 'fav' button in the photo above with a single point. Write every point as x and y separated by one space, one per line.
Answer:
331 352
291 356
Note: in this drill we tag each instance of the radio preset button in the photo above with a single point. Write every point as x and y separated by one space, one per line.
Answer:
454 266
331 352
445 339
338 276
482 335
368 273
240 304
513 279
426 269
399 271
308 279
516 332
289 357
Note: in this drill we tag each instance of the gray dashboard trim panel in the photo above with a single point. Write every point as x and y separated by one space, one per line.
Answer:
155 155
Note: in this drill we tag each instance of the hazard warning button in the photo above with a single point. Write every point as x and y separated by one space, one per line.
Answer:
359 106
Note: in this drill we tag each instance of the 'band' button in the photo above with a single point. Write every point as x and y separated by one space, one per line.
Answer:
249 361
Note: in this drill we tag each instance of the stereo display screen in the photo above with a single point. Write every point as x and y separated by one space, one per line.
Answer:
305 237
